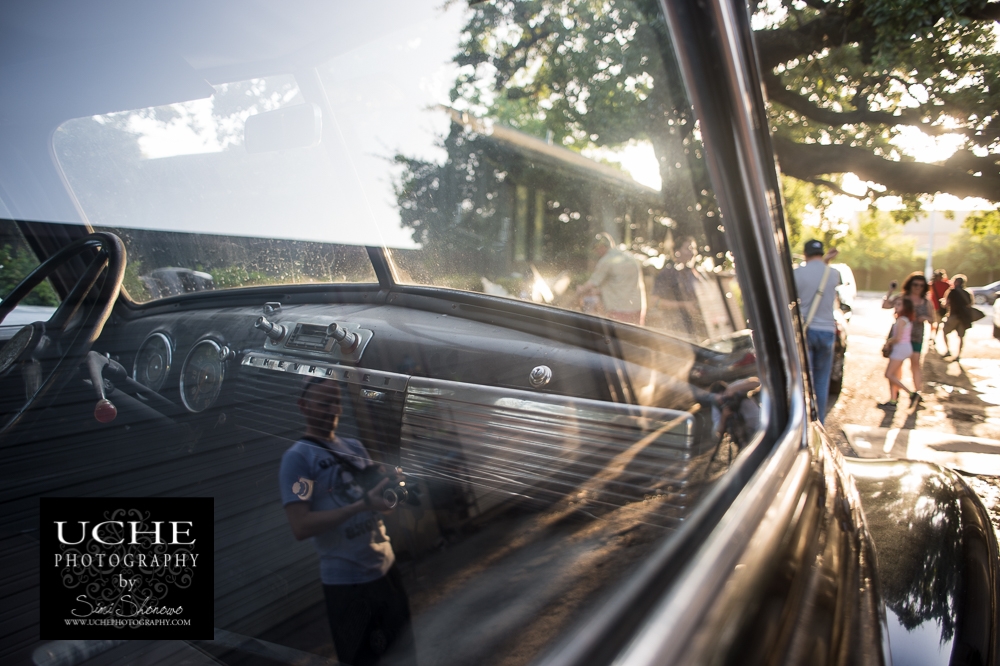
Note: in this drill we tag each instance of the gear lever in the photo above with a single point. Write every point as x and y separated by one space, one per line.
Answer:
105 410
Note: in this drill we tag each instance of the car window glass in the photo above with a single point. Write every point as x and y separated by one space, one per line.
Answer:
563 369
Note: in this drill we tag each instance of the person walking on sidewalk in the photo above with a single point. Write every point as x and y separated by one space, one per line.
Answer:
915 288
959 303
902 348
817 286
940 284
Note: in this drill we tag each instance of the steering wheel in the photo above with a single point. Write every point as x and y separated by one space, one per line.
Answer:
49 353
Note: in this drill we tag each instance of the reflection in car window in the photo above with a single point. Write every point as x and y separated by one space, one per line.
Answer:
163 263
16 262
543 152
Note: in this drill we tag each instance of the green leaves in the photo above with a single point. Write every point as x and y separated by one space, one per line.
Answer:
983 223
855 73
16 262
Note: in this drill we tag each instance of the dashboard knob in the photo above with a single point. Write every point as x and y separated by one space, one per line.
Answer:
348 341
540 376
274 331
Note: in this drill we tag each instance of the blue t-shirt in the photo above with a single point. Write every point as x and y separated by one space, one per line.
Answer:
357 550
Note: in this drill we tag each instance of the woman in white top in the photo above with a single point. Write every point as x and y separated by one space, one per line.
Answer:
915 288
902 348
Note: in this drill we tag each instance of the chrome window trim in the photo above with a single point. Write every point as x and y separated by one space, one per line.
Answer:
737 551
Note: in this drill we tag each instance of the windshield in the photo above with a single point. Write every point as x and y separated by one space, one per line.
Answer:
484 158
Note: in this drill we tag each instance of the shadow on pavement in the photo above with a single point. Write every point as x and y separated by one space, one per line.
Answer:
955 392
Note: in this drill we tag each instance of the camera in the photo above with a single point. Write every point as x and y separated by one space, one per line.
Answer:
396 492
893 284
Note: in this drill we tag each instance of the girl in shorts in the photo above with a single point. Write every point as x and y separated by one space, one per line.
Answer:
902 348
915 288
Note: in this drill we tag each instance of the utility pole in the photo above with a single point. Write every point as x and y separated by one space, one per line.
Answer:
929 265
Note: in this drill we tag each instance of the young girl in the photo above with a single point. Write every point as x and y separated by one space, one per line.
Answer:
902 347
915 288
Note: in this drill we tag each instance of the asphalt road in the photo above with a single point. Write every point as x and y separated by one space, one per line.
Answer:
957 424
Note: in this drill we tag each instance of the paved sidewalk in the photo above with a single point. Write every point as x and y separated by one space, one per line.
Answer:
957 422
971 455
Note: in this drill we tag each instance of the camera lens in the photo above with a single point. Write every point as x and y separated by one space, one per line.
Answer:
390 498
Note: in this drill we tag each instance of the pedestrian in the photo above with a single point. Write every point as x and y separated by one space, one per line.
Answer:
617 278
915 288
902 348
817 284
940 284
959 320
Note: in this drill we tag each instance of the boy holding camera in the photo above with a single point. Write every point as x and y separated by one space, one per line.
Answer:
366 604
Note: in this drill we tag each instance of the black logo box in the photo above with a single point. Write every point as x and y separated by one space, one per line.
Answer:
127 568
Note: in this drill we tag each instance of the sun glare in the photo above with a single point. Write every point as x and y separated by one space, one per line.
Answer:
637 158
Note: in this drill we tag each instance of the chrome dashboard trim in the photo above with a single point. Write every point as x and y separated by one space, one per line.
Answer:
508 443
376 379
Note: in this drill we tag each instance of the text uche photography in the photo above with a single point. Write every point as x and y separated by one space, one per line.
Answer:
127 568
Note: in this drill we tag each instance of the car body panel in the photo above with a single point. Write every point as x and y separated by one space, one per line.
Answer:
936 554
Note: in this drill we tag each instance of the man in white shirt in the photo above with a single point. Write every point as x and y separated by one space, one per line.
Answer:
817 284
618 279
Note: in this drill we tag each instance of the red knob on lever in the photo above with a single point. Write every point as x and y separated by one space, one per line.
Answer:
105 411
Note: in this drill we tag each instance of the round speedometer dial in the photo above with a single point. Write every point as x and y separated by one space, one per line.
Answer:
152 363
201 376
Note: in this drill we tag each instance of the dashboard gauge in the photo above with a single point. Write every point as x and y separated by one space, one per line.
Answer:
201 376
152 363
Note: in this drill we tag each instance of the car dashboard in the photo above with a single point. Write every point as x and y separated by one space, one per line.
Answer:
498 428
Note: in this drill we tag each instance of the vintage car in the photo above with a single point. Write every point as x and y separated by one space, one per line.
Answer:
612 444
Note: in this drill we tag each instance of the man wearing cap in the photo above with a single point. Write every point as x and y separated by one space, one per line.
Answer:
817 284
618 279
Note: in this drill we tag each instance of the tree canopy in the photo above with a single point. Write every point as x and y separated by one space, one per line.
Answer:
587 71
846 77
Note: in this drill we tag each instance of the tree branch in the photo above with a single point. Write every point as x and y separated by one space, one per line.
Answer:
969 161
990 12
839 190
777 92
834 27
827 31
807 161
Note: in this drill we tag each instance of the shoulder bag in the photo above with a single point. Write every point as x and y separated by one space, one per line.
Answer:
818 296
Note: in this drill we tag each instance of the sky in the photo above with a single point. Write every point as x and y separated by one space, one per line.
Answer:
385 97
